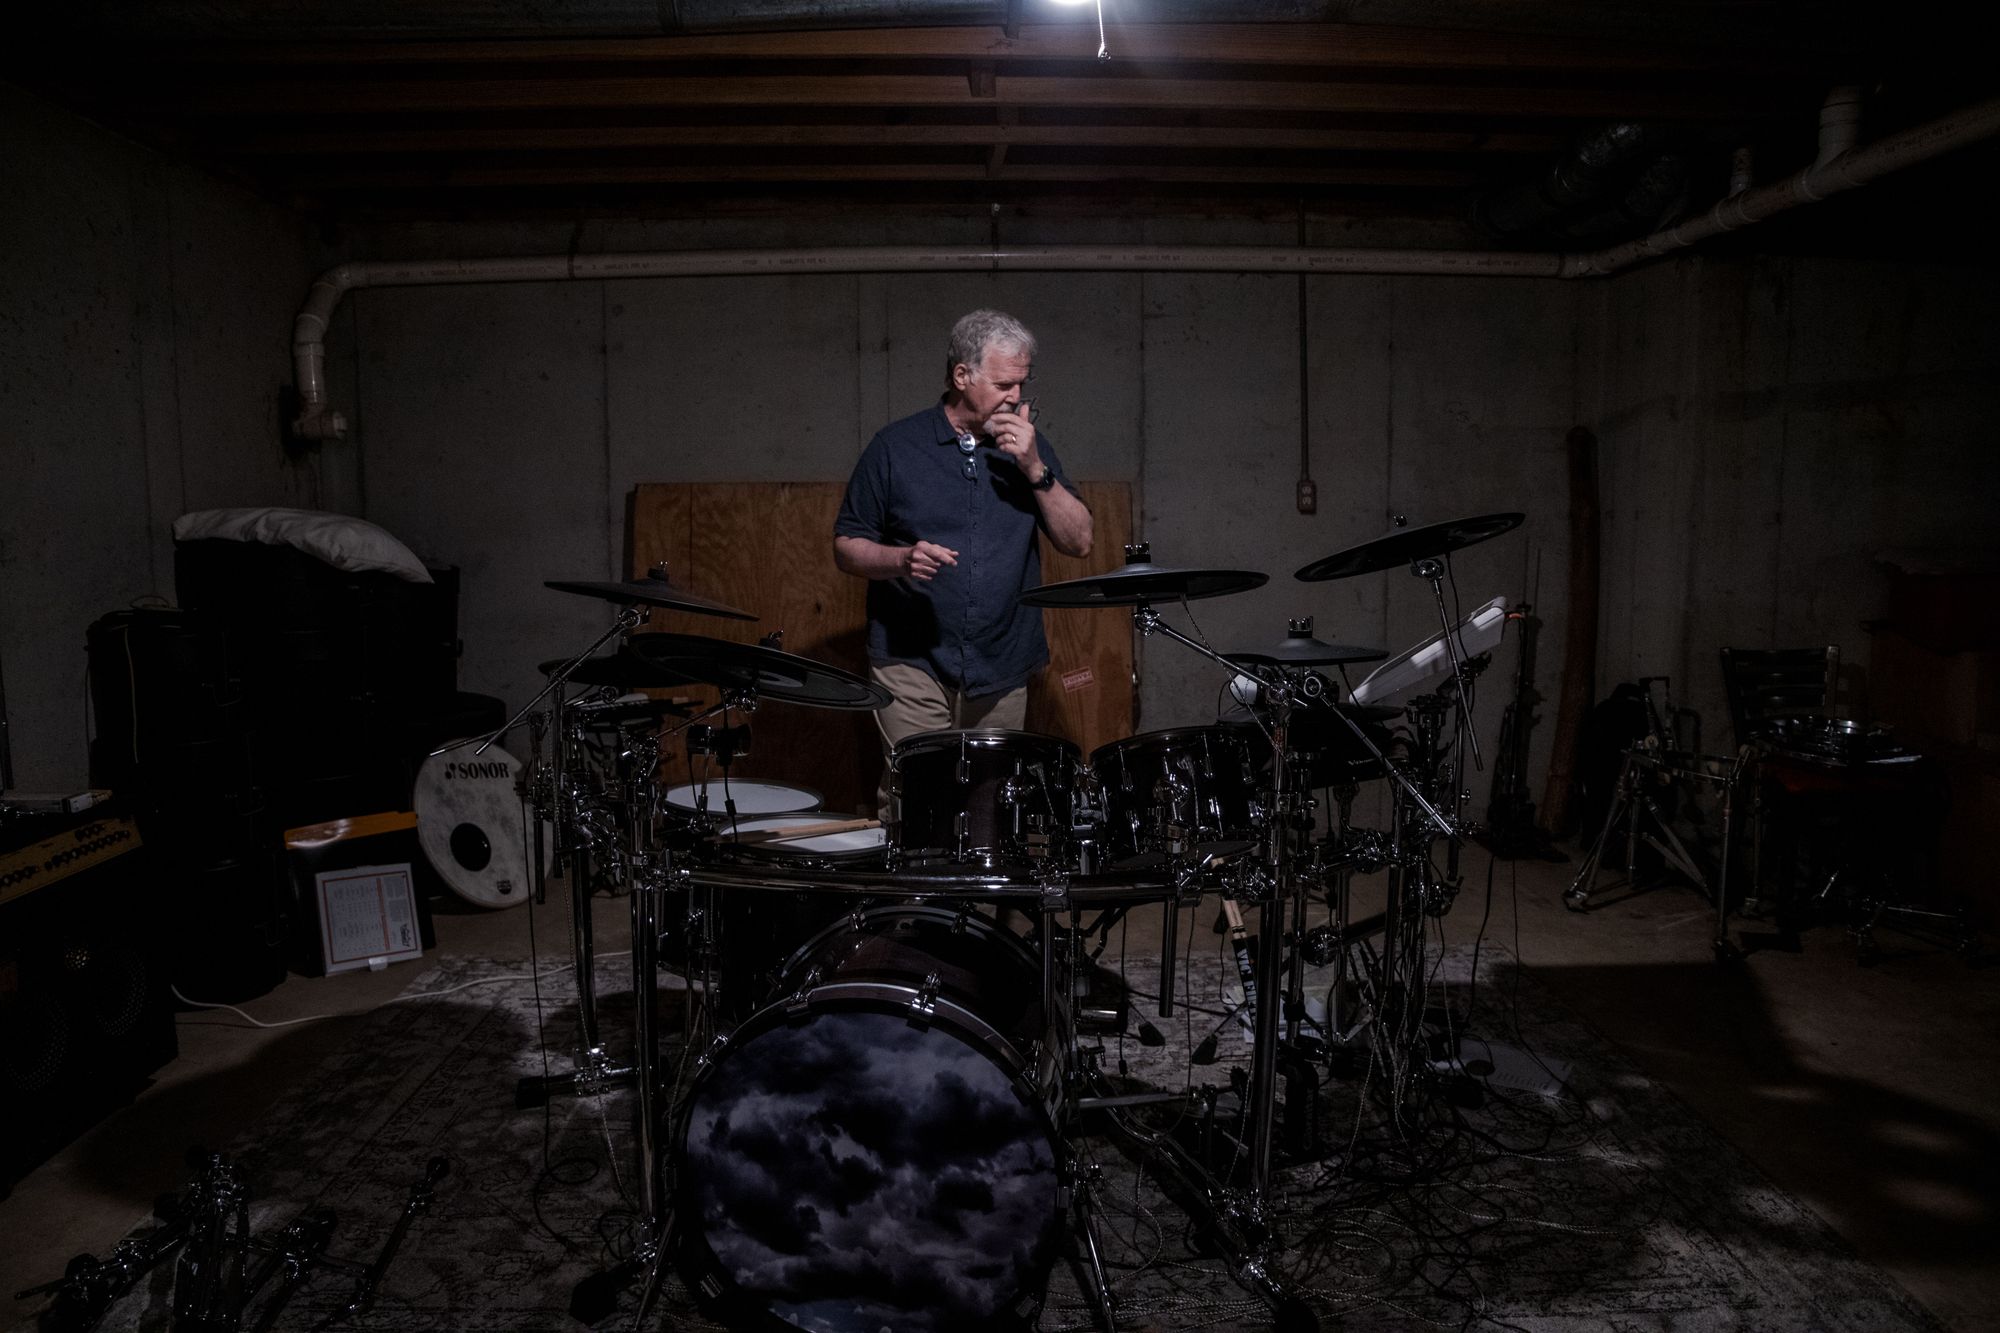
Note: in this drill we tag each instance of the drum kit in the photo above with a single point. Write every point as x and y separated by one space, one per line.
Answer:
883 1068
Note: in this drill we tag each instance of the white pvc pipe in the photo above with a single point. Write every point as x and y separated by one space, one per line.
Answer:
1850 169
1844 171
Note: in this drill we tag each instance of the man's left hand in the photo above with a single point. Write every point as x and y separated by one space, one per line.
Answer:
1014 435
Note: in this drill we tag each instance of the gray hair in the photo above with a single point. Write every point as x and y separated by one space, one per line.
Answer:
976 332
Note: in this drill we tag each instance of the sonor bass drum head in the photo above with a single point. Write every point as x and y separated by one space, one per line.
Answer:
471 827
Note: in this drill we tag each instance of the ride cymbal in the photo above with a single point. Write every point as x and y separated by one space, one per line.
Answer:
1141 581
766 672
655 589
1409 545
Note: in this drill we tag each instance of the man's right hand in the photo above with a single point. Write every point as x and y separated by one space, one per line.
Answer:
922 561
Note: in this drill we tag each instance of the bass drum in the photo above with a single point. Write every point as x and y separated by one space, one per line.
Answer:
471 827
872 1149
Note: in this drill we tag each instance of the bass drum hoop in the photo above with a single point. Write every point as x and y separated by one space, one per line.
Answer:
955 918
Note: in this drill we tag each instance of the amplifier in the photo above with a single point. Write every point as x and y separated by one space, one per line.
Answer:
85 1014
70 852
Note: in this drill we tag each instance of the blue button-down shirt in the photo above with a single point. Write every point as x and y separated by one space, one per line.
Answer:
915 483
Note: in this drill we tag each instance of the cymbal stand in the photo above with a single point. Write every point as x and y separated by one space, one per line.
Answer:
648 871
550 792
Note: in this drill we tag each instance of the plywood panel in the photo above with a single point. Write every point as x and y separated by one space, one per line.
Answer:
768 548
1086 694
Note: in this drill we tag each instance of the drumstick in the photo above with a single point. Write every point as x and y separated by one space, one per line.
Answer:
1239 942
807 830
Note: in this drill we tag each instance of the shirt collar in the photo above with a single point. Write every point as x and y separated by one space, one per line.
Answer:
945 433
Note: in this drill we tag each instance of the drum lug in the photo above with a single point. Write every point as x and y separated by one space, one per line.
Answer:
924 1007
801 999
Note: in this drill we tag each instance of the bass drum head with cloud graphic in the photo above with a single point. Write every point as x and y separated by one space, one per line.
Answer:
844 1169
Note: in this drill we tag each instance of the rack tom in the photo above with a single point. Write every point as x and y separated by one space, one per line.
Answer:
989 798
1189 791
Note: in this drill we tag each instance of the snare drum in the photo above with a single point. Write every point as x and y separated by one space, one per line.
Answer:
1187 791
752 797
986 798
851 849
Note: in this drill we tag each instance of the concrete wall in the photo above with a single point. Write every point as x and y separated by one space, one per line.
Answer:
501 428
144 323
1768 428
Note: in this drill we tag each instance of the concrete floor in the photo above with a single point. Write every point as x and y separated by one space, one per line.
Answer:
1867 1092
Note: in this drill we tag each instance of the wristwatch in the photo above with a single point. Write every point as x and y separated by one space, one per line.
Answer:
1047 482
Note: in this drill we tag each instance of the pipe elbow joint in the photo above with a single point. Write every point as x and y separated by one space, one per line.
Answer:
317 423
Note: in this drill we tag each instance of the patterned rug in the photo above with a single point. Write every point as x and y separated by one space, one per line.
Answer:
1538 1181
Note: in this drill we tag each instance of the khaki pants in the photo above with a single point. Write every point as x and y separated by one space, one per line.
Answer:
923 703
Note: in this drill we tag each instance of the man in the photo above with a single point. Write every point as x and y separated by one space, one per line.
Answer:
941 516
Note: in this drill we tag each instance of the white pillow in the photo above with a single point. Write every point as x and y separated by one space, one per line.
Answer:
346 543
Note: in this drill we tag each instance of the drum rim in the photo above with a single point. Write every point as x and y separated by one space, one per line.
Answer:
982 738
794 855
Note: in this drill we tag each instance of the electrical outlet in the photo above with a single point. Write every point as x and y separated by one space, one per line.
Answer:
1308 496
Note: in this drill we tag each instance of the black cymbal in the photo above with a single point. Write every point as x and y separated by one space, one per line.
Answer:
621 669
766 672
1409 544
1140 580
653 590
1300 648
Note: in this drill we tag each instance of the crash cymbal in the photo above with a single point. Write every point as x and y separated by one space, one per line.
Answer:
766 672
653 590
620 669
1407 545
1300 648
1140 581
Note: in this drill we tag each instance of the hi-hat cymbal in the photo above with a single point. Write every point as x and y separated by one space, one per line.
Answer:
1408 545
620 669
766 672
655 589
1300 648
625 713
1140 581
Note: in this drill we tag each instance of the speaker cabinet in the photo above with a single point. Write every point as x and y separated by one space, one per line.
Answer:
85 1014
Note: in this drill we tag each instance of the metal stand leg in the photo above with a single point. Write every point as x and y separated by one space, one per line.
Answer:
1725 949
1086 1227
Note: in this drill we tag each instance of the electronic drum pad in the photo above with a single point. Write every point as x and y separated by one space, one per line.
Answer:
470 825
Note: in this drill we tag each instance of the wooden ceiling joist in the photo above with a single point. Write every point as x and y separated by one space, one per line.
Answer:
302 97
